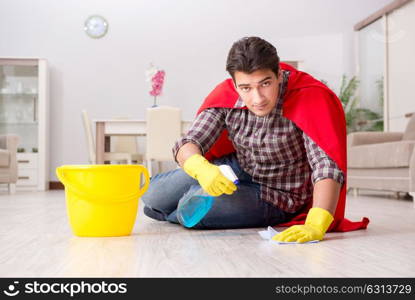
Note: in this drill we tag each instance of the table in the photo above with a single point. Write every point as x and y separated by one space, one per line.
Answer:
112 127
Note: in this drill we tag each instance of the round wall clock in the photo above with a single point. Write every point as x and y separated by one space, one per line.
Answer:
96 26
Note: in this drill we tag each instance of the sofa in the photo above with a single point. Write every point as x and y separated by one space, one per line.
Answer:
382 160
8 161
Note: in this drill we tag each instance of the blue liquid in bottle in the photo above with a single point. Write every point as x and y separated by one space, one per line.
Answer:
193 208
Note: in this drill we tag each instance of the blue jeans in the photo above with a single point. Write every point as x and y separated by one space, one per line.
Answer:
244 208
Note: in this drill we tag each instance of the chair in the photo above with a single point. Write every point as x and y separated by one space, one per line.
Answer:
382 160
126 144
163 129
8 161
120 157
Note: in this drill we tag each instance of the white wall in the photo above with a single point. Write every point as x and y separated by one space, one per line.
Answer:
327 62
189 39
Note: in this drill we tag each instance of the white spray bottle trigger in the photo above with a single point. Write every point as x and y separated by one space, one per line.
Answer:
228 173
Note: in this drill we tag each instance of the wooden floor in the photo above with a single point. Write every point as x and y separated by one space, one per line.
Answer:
36 241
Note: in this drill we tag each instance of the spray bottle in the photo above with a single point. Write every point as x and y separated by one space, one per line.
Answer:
193 208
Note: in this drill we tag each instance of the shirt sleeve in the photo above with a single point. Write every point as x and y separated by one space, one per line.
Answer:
204 131
321 164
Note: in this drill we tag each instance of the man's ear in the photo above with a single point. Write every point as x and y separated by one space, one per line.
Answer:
279 75
234 83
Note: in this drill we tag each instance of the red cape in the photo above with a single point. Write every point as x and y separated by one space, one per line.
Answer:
317 111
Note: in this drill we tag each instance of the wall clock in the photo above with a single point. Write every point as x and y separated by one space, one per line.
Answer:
96 26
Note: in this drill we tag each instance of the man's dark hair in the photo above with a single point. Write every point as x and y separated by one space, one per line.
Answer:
250 54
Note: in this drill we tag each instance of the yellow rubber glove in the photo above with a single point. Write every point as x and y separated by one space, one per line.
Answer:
209 176
316 224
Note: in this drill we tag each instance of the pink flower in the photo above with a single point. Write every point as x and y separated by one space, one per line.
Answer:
157 83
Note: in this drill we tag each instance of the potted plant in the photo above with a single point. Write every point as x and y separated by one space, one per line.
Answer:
358 119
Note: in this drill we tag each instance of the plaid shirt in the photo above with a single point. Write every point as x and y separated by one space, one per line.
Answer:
272 149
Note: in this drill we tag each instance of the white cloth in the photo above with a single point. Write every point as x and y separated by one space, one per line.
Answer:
270 232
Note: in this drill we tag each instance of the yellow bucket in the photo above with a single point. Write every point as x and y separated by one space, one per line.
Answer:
102 200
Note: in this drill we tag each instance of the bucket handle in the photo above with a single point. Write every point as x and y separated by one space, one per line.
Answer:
138 194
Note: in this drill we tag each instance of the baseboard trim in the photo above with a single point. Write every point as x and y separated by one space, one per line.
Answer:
56 185
377 177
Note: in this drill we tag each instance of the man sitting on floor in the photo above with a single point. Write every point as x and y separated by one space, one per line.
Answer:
283 134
